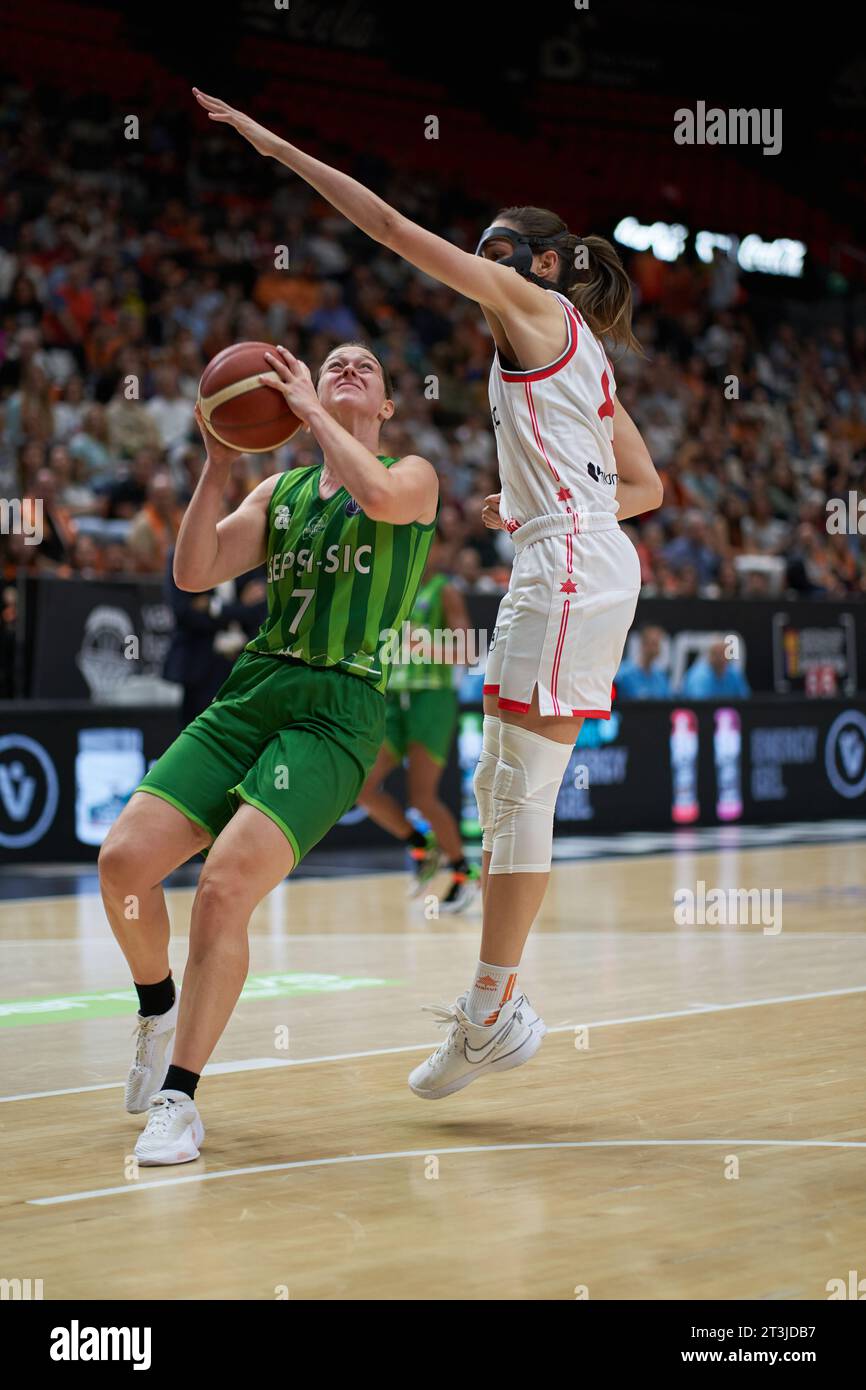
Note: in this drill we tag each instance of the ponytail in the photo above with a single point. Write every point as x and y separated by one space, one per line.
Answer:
591 274
597 283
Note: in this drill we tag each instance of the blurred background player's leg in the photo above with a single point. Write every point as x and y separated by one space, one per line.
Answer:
385 809
424 776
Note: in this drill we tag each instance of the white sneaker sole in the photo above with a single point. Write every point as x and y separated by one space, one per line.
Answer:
524 1053
183 1150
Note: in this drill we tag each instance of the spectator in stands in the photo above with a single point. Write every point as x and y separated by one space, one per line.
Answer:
170 411
645 678
57 523
91 445
154 529
126 494
714 676
129 427
692 548
73 492
91 297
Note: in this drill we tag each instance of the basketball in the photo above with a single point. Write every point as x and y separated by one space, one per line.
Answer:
237 408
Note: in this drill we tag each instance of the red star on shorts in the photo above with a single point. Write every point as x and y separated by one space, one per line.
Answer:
568 587
564 495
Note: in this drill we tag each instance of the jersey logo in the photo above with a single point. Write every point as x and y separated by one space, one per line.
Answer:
282 518
313 528
352 507
599 475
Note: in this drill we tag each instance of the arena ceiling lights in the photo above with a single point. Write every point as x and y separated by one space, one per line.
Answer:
667 241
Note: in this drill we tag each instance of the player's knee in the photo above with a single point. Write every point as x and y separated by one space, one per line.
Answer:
119 863
220 889
526 784
484 776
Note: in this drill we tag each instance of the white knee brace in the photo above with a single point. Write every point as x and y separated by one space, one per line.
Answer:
525 787
484 775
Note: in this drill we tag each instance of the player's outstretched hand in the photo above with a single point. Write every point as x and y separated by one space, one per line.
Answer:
259 136
490 512
295 383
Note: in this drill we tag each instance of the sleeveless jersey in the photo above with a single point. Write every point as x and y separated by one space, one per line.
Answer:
427 616
339 585
554 431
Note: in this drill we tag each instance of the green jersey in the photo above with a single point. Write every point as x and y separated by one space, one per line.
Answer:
339 584
426 620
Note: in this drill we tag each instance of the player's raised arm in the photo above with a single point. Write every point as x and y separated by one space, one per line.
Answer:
210 547
488 283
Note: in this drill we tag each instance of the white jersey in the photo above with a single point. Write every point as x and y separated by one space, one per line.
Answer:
554 431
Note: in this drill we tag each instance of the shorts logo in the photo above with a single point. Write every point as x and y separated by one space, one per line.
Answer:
598 475
352 507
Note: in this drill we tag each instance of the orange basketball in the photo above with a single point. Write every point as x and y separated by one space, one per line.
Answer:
237 408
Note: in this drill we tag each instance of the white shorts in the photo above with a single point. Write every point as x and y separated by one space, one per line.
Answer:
563 623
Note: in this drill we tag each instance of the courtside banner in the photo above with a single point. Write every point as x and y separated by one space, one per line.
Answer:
88 639
68 770
92 639
806 647
656 765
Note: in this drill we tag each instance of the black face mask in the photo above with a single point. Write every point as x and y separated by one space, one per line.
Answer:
524 247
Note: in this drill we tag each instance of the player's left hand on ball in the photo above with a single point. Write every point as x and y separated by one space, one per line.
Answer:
259 136
217 452
490 512
295 382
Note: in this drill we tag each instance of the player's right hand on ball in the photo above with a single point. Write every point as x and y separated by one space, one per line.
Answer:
217 452
490 512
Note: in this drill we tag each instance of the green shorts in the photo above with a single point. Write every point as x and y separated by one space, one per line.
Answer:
427 717
295 741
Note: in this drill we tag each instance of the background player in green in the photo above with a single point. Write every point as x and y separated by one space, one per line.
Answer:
283 750
419 728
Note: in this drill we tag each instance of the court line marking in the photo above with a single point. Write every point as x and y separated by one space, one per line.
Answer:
432 1151
256 1063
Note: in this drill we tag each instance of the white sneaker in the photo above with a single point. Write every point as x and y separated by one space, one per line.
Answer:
173 1133
154 1040
471 1049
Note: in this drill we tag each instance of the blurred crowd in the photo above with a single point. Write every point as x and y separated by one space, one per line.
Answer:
125 266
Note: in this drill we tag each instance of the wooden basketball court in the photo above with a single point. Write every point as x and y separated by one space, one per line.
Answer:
693 1126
